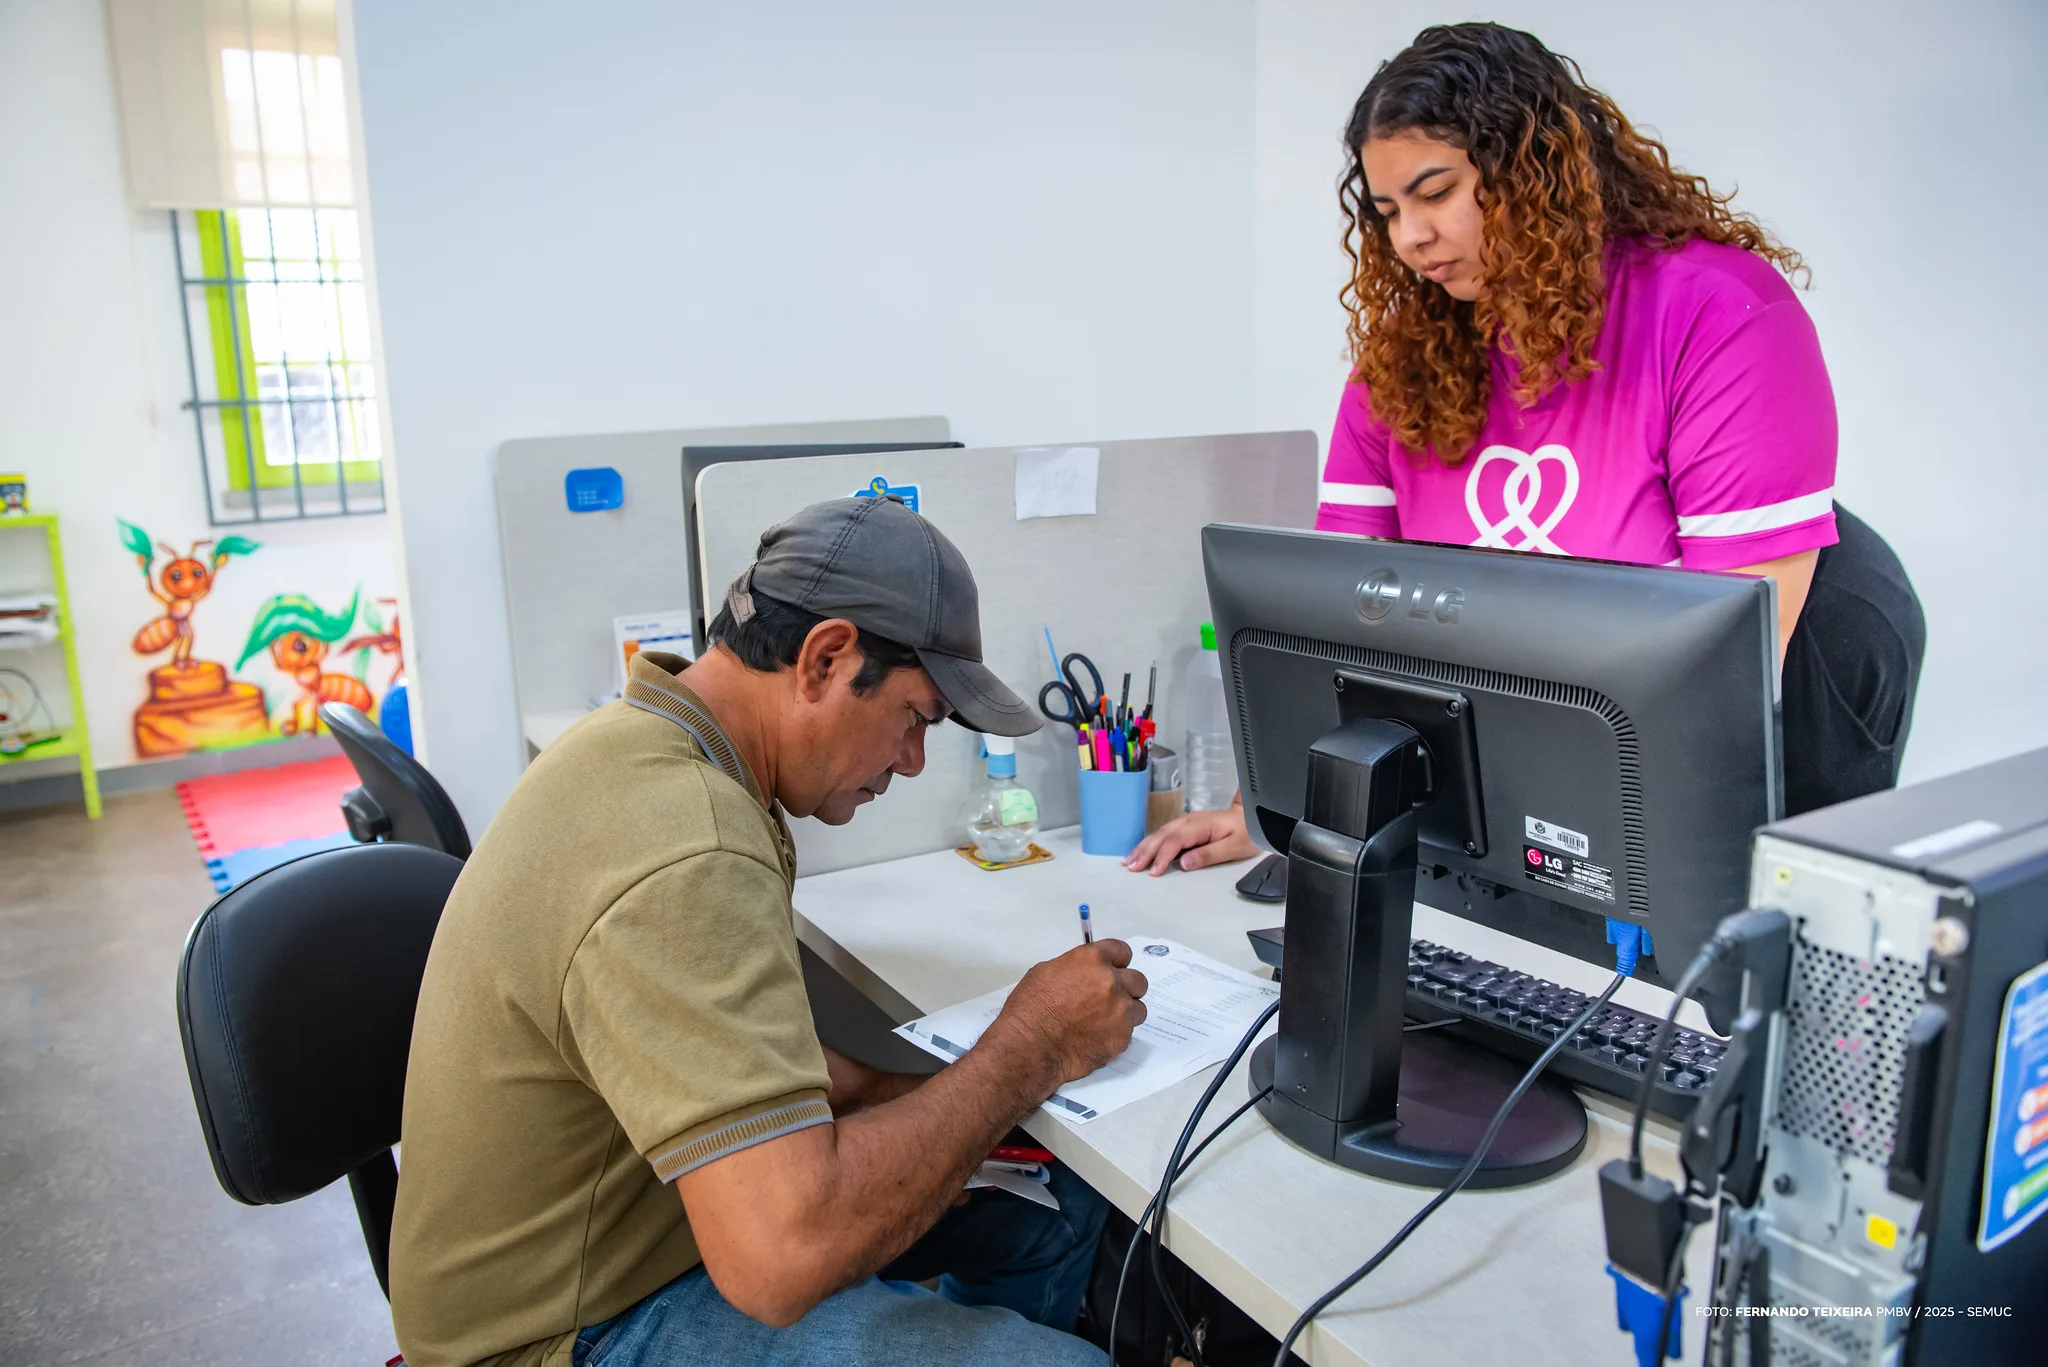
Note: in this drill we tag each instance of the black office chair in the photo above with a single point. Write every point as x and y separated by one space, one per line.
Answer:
296 993
1852 672
399 800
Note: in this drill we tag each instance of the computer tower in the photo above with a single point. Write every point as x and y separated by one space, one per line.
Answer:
1900 1218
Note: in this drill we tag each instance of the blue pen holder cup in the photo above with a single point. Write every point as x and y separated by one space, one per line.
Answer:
1113 811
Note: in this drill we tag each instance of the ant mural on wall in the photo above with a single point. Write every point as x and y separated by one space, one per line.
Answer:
192 703
299 633
180 586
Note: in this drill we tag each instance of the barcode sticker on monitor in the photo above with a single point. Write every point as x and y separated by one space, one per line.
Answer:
1557 837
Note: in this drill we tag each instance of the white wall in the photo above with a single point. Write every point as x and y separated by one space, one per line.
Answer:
1897 145
1033 218
93 375
1066 220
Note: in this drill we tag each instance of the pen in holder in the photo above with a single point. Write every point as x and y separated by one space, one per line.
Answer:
1113 807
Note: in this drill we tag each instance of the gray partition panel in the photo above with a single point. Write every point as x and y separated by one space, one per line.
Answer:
567 575
1123 586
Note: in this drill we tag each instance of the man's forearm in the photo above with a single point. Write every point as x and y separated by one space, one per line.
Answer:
902 1163
857 1086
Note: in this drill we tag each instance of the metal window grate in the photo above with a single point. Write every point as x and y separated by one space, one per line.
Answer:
278 346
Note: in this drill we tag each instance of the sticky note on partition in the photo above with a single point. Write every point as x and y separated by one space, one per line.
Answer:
1057 481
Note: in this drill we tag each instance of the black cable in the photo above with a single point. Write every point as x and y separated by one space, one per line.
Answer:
1174 1164
1660 1045
1430 1208
1116 1306
1674 1279
1180 1320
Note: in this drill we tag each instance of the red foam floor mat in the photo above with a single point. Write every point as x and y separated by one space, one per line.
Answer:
229 812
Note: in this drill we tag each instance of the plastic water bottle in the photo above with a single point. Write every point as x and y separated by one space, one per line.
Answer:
1209 761
1003 817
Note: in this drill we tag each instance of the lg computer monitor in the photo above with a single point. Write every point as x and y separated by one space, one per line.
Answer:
1540 744
1622 722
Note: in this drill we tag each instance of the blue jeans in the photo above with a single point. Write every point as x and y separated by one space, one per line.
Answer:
1011 1276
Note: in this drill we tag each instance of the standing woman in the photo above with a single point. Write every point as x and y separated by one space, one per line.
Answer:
1563 344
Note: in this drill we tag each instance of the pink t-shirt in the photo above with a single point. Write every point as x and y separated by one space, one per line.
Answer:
1706 438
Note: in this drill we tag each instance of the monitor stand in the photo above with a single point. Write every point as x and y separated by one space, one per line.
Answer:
1347 1083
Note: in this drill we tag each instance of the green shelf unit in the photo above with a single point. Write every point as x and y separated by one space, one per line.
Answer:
71 740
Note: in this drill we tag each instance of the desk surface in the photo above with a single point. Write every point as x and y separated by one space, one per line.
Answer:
1515 1275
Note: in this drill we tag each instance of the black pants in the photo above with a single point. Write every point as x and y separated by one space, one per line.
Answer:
1851 671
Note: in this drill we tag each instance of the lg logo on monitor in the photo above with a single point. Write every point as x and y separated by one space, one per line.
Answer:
1380 592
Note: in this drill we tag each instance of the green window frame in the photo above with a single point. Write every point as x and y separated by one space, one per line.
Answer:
279 422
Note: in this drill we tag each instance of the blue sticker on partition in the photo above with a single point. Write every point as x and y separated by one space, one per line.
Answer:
593 490
879 487
2016 1155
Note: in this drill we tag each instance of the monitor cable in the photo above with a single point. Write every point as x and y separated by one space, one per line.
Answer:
1660 1043
1464 1175
1741 936
1175 1166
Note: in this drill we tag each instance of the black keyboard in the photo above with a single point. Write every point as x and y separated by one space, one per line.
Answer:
1518 1014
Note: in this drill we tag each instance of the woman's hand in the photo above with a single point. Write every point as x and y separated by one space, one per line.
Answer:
1198 839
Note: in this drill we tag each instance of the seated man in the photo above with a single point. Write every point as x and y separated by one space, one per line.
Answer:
614 1003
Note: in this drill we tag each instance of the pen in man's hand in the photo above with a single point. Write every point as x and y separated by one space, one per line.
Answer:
1087 930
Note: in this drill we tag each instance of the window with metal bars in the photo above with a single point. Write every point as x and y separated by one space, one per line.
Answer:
277 330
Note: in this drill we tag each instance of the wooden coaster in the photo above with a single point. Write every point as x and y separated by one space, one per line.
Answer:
1037 854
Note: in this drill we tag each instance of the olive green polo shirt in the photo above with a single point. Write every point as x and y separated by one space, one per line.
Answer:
613 998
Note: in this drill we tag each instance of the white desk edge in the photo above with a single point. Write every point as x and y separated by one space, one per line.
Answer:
862 925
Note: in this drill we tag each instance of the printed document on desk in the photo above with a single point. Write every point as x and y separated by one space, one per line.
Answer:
1196 1011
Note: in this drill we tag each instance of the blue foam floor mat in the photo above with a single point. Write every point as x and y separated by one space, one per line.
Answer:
235 869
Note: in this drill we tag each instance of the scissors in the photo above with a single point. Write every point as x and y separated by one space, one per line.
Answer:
1077 704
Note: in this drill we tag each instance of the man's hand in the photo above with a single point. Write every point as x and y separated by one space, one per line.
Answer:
789 1221
1078 1010
1198 840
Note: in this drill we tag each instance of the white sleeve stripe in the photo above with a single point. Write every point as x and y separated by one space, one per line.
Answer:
1356 495
1769 518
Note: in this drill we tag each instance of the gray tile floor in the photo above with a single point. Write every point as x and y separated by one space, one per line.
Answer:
116 1244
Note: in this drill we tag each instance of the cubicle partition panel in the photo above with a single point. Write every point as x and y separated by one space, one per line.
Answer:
1122 584
569 573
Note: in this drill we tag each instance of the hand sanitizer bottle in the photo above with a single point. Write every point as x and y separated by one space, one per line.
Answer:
1003 817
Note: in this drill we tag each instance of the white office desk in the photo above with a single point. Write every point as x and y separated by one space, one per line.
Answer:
1494 1276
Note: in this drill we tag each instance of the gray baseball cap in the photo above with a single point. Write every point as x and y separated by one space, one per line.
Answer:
885 569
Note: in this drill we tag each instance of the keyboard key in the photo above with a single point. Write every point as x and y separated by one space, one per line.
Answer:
1636 1063
1686 1082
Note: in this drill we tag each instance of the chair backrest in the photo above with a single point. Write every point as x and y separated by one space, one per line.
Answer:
1852 672
399 799
296 993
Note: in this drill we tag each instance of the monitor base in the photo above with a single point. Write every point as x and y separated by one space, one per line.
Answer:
1449 1092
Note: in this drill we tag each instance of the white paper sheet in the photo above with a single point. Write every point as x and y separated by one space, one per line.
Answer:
1057 481
1197 1009
1005 1177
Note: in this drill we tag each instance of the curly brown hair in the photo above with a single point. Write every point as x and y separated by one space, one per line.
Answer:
1561 174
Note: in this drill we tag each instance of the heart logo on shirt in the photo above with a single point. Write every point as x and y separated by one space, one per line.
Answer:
1520 496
